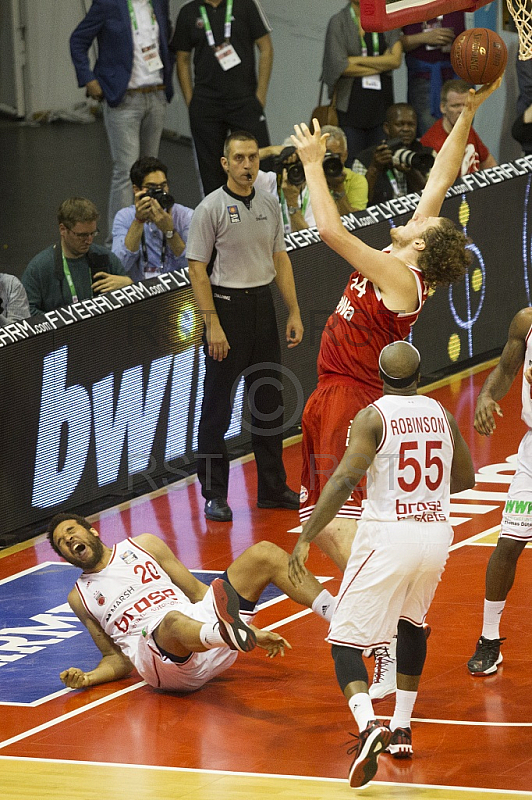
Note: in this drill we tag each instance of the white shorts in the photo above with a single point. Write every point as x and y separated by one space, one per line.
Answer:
517 515
392 574
162 673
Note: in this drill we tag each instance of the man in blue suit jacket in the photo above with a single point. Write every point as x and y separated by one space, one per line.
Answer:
132 76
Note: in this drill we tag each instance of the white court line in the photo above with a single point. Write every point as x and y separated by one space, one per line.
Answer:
40 701
275 776
473 539
34 569
64 717
468 722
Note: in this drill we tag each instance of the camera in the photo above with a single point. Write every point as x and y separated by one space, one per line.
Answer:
332 165
295 174
404 157
165 200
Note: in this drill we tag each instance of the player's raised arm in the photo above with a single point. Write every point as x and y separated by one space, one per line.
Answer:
449 158
378 267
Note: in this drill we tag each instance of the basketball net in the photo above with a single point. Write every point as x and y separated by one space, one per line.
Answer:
521 12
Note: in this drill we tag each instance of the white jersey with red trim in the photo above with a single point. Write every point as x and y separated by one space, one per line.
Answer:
411 473
526 391
127 592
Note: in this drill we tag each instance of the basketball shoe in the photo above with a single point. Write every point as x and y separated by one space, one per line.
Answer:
371 743
487 657
401 743
233 630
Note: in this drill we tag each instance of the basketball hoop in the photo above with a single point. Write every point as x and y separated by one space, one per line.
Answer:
521 13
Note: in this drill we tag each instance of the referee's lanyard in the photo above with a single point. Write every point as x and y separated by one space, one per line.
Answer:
68 276
227 24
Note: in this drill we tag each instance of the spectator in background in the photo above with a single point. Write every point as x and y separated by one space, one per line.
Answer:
133 78
359 65
386 173
150 236
522 127
349 190
427 47
226 94
13 300
453 99
76 268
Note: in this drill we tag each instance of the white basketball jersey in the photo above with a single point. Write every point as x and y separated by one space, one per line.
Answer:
411 473
126 592
526 413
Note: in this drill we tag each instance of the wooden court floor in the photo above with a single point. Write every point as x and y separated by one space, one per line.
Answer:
267 728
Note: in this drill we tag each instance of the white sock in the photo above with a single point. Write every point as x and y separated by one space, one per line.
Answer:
324 605
404 705
492 618
210 635
361 709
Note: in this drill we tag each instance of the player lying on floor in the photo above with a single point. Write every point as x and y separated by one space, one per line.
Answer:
145 610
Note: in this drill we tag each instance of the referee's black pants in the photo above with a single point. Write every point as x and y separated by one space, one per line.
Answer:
248 319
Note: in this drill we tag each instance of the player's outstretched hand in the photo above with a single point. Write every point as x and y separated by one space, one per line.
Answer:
485 415
296 563
311 147
75 678
271 642
476 98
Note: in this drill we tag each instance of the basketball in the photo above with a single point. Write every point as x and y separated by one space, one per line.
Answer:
479 55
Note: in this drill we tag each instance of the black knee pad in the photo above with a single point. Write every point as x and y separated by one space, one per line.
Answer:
411 648
349 665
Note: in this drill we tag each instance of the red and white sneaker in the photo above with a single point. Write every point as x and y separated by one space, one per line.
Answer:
371 743
233 630
401 743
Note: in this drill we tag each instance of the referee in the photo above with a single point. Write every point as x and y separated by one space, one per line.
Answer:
235 249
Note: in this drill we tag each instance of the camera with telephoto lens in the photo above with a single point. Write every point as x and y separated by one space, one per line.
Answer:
165 200
295 174
404 157
332 165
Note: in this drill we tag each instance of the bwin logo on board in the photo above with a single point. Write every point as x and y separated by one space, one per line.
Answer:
73 416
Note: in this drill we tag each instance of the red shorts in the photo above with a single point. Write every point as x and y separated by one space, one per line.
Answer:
327 417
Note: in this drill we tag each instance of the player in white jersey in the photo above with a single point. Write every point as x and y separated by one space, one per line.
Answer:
516 526
144 609
414 456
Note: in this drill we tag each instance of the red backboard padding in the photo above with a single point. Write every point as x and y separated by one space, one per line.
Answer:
376 15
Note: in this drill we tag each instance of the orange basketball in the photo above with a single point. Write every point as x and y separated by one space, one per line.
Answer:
479 55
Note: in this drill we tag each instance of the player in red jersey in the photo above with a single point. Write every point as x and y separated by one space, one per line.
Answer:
381 301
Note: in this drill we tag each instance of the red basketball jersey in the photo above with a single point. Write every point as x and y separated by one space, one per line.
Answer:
360 327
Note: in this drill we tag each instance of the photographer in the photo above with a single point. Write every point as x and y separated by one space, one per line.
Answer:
349 190
75 268
13 300
150 236
400 165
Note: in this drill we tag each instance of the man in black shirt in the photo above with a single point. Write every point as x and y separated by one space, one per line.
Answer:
227 94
